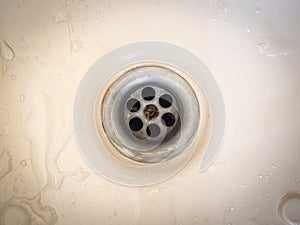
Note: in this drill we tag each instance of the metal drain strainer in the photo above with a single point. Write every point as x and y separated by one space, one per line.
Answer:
150 113
144 110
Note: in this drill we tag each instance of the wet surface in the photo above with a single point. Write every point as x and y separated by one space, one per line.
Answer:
252 48
27 211
6 51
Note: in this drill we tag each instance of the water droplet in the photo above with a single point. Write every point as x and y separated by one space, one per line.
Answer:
256 10
15 190
231 208
288 209
99 15
259 196
243 204
21 98
60 18
76 46
244 186
23 163
260 176
180 2
7 53
274 167
213 186
13 77
267 176
265 43
4 70
265 48
79 174
115 213
196 219
214 19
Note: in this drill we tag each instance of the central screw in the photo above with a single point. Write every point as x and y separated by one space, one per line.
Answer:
151 111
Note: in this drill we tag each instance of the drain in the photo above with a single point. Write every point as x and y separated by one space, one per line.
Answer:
165 101
135 124
140 115
144 111
168 119
156 106
153 130
133 105
148 93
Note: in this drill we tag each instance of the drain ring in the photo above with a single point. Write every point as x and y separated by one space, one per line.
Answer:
98 150
154 133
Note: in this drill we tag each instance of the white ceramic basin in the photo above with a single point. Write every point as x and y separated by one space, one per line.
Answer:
250 47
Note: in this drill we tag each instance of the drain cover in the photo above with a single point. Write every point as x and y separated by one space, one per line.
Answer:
142 110
150 113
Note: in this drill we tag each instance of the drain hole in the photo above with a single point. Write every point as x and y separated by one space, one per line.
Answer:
148 93
165 101
153 130
168 119
135 124
133 105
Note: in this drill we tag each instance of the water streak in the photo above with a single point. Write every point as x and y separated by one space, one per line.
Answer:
4 69
5 164
59 136
27 211
66 18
